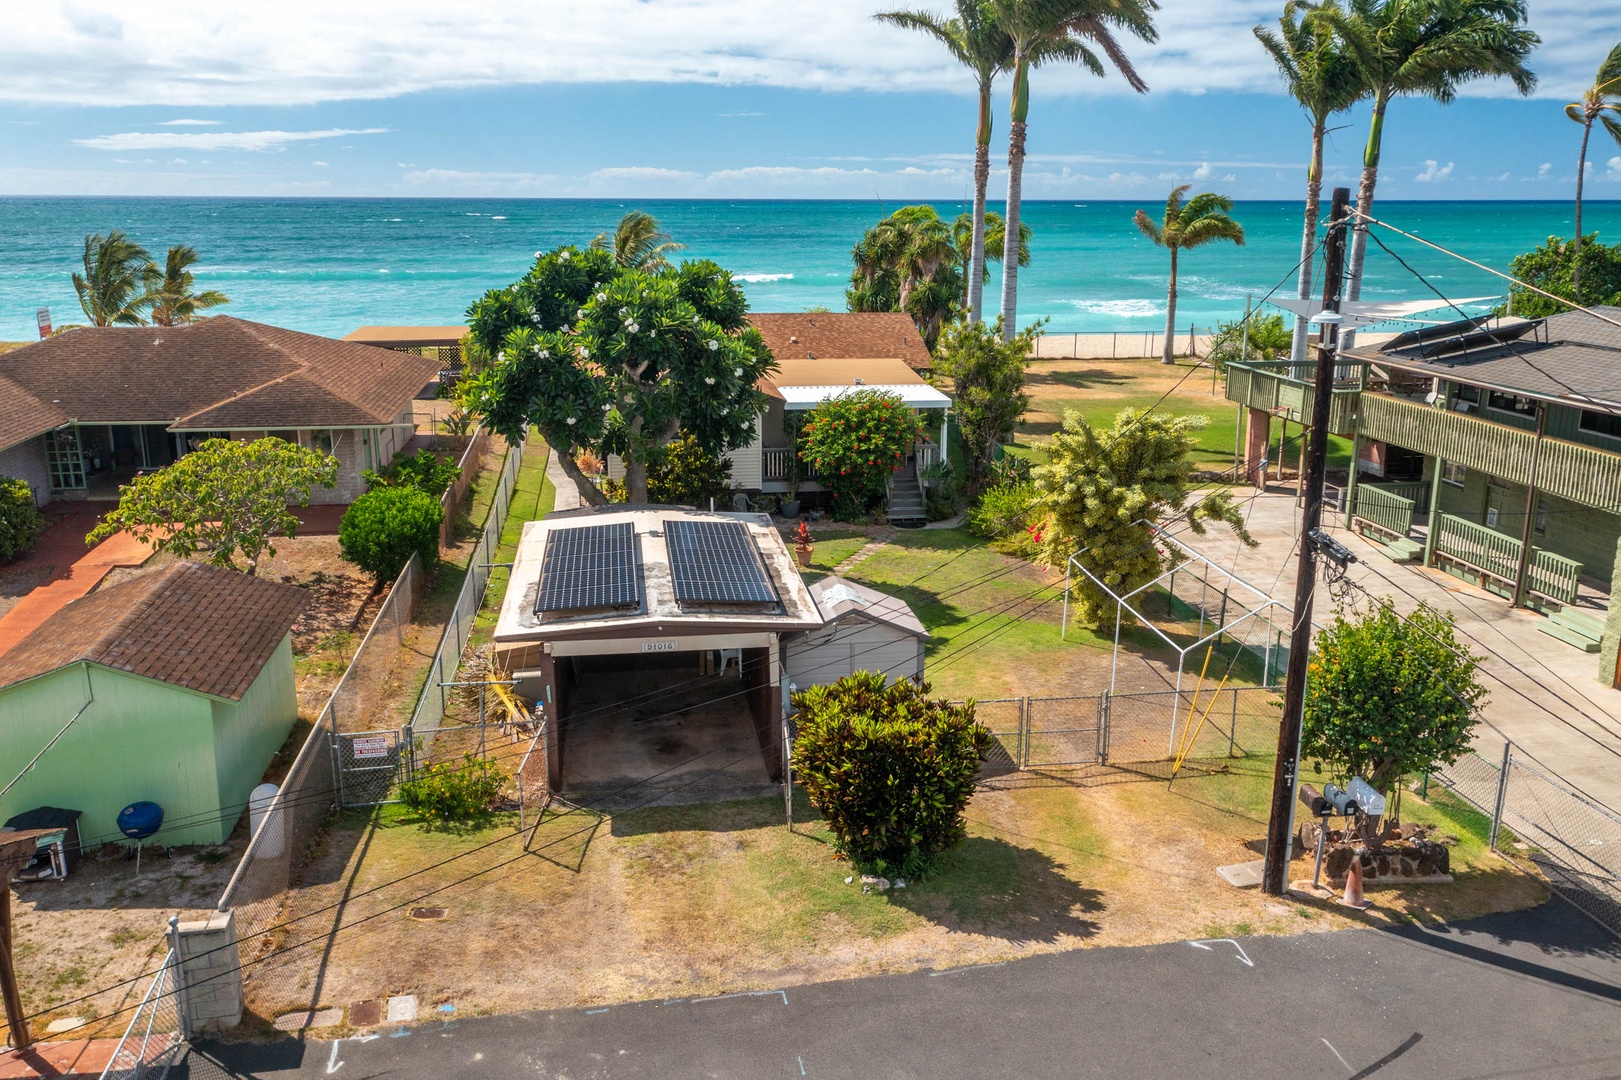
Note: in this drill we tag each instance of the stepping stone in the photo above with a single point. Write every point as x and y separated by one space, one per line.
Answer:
402 1009
304 1018
366 1013
1244 875
56 1027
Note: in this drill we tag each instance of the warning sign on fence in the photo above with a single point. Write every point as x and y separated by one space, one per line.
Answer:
370 746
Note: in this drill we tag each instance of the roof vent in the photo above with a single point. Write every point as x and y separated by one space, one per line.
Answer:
858 382
793 340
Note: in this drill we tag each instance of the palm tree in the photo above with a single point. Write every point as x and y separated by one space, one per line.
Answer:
113 288
638 243
1203 220
976 41
1604 96
908 262
992 238
1043 30
173 301
1425 48
1325 80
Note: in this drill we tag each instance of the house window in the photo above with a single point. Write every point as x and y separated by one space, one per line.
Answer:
1509 403
1600 423
1470 394
365 442
1453 473
322 441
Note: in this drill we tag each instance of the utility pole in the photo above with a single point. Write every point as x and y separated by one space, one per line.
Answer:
1274 876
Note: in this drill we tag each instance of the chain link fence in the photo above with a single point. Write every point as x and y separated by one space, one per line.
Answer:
1575 841
153 1041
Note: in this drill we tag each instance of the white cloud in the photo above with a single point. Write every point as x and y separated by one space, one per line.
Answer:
319 164
1614 170
1434 172
1501 177
190 52
465 182
1544 169
1202 172
215 140
190 123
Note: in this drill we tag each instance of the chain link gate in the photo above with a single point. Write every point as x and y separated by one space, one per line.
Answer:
369 764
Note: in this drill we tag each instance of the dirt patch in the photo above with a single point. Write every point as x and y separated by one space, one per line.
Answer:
18 582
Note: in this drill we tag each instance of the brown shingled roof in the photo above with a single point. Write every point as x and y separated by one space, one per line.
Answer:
23 416
826 335
189 625
217 373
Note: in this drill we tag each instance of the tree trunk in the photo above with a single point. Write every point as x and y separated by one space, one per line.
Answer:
1169 355
1364 206
1576 252
590 494
976 256
1308 239
1010 243
636 483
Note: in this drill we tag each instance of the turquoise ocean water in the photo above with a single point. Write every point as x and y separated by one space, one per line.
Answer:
330 265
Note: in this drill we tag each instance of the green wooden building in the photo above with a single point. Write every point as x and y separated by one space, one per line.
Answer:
1472 440
174 687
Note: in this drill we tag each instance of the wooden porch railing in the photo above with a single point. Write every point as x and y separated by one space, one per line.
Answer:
1497 556
1388 508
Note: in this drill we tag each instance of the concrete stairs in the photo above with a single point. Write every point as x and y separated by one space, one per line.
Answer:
1402 550
906 506
1575 627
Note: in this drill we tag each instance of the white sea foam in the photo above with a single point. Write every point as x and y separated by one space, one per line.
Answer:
498 217
1124 309
763 277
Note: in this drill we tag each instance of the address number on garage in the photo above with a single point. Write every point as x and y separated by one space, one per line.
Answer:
659 646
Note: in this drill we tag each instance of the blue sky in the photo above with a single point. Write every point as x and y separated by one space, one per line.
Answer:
706 98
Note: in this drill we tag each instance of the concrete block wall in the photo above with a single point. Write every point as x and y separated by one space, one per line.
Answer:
210 973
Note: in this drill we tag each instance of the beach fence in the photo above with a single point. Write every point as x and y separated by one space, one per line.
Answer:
1122 345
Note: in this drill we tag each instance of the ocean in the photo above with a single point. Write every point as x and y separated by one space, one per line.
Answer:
329 265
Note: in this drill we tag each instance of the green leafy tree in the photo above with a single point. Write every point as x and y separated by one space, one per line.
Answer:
383 528
115 287
1104 492
1421 48
683 474
987 384
173 298
1600 102
638 243
857 441
1389 696
1324 79
445 792
423 470
1267 338
908 262
889 768
20 520
1045 31
614 361
222 500
1552 268
1202 220
976 41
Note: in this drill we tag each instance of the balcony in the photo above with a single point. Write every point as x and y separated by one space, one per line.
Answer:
1286 389
1582 474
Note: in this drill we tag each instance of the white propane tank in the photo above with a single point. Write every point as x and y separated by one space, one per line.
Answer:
275 838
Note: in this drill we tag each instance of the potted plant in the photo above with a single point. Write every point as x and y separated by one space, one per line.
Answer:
796 468
802 543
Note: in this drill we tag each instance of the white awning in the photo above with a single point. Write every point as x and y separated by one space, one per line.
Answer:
1366 312
914 395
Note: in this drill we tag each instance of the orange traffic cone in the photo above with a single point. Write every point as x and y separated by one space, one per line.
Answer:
1353 885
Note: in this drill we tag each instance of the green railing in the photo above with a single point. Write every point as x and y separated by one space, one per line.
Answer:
1286 390
1497 556
1390 508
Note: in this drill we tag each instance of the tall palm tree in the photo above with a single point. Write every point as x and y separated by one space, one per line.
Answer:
638 243
113 290
1044 30
976 41
1324 79
1424 48
173 299
1604 96
908 262
1202 220
992 238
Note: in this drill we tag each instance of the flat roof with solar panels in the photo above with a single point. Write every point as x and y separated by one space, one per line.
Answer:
653 578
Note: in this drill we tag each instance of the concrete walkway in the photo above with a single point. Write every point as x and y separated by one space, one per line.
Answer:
568 496
1545 695
77 571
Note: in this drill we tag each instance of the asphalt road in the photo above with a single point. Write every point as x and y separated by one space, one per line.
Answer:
1533 994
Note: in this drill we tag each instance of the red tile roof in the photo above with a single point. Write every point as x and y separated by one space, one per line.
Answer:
189 625
214 374
834 335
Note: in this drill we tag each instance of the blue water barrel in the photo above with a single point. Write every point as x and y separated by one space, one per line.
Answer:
140 820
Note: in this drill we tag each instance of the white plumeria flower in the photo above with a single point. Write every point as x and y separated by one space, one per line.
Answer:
580 314
584 351
713 344
563 257
569 421
544 353
709 380
737 372
602 296
652 333
623 312
607 406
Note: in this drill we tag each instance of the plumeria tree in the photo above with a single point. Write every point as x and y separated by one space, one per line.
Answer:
615 360
856 442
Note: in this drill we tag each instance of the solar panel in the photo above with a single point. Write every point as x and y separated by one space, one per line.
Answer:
716 562
592 566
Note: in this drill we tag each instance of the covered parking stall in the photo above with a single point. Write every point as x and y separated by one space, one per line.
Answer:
651 636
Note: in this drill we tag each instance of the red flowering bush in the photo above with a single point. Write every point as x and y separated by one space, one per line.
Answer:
856 442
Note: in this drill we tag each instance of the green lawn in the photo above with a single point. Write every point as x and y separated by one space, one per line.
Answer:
533 497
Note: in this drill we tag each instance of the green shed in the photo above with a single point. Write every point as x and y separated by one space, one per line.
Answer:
174 686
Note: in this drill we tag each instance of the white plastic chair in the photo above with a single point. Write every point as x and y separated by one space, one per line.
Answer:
727 656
